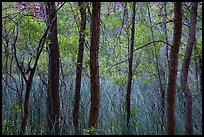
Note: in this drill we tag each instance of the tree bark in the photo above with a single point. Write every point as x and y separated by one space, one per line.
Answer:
94 66
171 90
53 102
184 71
26 103
79 67
130 68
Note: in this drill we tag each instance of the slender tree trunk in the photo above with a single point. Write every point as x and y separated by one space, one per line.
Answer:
79 67
184 71
94 66
130 68
165 31
6 54
166 73
158 72
53 102
167 47
171 91
23 72
28 85
26 104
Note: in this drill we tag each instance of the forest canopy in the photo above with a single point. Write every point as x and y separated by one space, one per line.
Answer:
101 68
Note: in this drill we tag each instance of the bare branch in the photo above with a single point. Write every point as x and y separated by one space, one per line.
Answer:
15 56
138 49
61 6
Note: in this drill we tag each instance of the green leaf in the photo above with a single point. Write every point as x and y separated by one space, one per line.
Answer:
147 80
49 42
90 131
148 91
194 93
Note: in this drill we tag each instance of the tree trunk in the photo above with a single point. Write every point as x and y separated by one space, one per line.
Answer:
165 31
94 66
171 91
53 102
26 103
130 68
79 67
184 71
28 81
159 70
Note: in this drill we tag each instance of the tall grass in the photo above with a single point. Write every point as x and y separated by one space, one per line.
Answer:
145 109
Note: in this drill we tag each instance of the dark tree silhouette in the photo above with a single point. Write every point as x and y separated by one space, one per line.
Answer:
130 67
184 71
53 102
94 66
171 90
79 66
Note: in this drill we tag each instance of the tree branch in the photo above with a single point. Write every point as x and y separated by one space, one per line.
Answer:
138 49
60 6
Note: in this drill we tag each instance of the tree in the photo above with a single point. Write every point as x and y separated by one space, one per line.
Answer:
94 66
165 31
171 90
27 71
185 68
31 71
130 67
159 69
53 101
133 65
79 66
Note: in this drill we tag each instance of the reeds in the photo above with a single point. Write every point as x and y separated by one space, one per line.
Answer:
145 110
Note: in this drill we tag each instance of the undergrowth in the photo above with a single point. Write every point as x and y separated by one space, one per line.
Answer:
145 109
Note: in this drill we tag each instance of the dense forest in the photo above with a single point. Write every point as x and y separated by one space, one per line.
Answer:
101 68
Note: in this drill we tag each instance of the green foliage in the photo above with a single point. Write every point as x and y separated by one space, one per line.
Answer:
194 93
10 125
119 80
10 128
32 30
147 80
113 49
43 61
148 91
135 111
15 109
90 131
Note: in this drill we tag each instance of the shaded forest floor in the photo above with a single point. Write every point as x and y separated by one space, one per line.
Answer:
146 111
